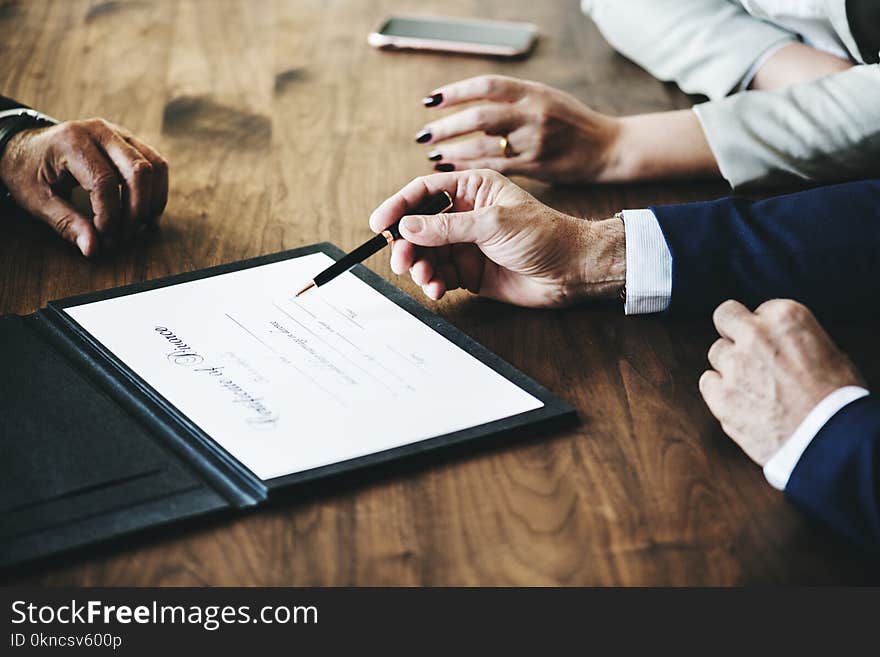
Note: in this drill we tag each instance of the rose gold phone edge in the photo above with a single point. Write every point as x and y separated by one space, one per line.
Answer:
379 40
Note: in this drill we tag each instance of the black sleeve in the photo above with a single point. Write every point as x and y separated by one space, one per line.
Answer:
8 103
863 17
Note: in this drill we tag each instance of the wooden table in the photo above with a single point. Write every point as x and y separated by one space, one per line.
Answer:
283 128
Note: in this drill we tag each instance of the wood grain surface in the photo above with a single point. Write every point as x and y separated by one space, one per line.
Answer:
283 128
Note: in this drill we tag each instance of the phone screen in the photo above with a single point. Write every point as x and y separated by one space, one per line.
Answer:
459 31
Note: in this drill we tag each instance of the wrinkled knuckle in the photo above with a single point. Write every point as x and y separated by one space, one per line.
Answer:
774 307
792 311
64 225
493 178
105 179
141 169
99 124
91 126
771 307
444 225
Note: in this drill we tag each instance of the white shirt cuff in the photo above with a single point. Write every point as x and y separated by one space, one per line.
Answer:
779 468
648 264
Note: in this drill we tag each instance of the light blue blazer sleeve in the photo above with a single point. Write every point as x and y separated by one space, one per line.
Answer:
704 46
827 130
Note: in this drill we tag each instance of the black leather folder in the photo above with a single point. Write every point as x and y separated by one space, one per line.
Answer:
89 451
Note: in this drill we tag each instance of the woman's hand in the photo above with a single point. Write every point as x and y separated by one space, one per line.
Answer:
550 135
553 137
500 242
127 181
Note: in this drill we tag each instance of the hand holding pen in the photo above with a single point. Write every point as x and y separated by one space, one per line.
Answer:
502 243
432 204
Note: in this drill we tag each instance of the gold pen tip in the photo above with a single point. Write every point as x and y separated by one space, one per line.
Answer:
307 286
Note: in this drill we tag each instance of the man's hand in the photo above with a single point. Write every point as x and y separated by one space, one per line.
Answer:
770 369
127 180
500 242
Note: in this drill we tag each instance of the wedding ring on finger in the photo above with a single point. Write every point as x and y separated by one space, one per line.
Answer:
505 147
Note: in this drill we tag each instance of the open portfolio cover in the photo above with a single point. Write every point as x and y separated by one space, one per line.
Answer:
166 400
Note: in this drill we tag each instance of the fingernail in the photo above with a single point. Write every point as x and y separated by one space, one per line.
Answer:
444 166
413 224
432 100
82 242
424 136
435 155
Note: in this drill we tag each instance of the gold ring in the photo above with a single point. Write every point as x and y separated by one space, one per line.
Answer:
505 147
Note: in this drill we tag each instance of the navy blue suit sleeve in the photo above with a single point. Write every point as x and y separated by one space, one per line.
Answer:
8 103
836 479
820 247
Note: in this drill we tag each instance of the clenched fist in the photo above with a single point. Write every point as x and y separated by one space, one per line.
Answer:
770 369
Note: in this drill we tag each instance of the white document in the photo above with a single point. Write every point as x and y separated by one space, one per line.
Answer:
288 384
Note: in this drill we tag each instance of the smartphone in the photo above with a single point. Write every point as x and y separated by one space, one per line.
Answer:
479 37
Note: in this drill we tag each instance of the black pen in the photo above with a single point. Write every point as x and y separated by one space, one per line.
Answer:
434 204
